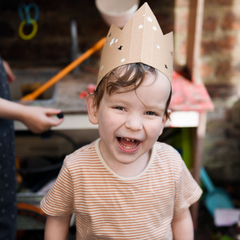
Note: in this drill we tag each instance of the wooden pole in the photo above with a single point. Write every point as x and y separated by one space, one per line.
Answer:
194 38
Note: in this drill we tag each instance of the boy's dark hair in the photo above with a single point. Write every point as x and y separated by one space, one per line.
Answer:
129 77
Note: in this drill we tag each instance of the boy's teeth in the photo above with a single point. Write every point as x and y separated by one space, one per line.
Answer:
127 139
129 143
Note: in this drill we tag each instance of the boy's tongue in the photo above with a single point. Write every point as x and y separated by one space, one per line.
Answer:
127 143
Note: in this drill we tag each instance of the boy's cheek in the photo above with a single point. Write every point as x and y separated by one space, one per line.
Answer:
110 119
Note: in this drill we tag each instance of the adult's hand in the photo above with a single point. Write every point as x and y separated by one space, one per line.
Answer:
36 119
39 119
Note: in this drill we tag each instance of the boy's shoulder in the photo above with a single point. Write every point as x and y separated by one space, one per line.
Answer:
167 157
166 150
84 153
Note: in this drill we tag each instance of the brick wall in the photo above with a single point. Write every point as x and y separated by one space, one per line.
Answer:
220 65
50 46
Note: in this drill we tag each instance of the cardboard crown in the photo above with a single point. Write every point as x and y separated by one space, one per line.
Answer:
141 40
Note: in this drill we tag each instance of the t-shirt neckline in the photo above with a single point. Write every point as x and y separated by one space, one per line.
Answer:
153 150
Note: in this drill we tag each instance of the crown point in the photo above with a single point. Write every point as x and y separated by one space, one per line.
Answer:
138 38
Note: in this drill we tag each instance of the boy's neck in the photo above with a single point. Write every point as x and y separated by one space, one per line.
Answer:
130 170
127 170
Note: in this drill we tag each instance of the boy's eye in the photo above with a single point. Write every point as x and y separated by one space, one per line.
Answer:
151 113
119 108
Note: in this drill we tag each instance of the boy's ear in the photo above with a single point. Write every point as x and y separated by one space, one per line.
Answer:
165 118
92 110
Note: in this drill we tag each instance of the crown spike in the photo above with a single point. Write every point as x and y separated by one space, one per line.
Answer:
140 40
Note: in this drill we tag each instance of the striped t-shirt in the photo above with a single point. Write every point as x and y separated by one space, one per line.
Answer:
109 206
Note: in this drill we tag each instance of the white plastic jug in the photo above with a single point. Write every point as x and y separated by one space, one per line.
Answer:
117 12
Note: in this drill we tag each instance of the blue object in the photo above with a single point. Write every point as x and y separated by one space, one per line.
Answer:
215 197
26 9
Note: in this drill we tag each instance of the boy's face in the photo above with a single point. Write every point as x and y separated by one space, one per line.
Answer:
131 122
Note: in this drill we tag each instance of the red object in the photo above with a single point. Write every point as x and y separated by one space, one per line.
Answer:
91 88
83 94
188 96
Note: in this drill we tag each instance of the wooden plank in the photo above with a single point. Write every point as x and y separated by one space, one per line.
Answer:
198 149
194 38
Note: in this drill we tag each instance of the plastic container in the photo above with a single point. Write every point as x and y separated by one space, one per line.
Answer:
216 197
117 12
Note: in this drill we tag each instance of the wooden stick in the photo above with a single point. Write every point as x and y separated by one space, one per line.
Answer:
65 71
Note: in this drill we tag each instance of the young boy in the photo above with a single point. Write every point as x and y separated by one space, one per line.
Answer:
126 185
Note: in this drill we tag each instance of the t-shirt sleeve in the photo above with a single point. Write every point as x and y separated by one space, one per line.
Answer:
187 190
59 199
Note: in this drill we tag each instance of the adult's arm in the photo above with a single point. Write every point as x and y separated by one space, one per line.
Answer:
36 119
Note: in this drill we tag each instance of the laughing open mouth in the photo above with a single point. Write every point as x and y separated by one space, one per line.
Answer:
127 142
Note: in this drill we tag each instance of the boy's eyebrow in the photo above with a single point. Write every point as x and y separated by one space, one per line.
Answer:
161 108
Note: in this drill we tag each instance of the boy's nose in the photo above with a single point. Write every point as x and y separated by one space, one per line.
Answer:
134 123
